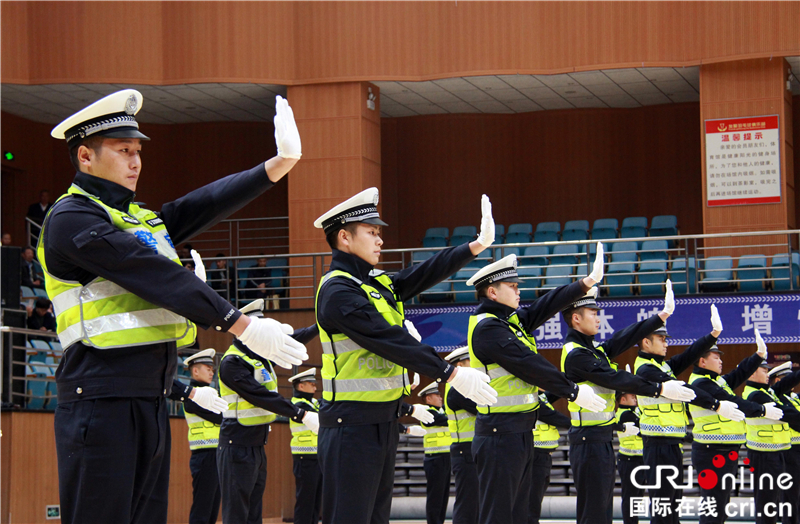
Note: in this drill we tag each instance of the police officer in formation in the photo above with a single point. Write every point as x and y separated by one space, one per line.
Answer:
545 441
500 345
590 453
248 383
124 304
715 435
790 402
461 413
365 350
437 456
629 456
305 466
203 440
663 421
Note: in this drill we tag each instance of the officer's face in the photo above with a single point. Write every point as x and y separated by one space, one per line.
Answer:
656 345
203 373
365 243
761 376
712 363
434 399
506 293
118 160
307 387
586 321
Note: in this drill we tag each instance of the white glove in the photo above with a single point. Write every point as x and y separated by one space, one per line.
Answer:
675 390
311 420
416 431
716 322
730 411
422 414
486 236
287 137
771 412
587 399
199 268
415 383
208 398
630 430
474 385
627 368
270 339
669 299
597 268
412 330
762 346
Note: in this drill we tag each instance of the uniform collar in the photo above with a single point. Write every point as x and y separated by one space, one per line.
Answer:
757 385
497 309
625 406
197 384
304 395
579 338
707 372
650 356
110 193
351 264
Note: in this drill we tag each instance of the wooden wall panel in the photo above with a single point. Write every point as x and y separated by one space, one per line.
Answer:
296 43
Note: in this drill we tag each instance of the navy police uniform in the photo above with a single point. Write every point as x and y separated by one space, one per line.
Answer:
203 466
542 455
462 463
628 461
790 403
305 464
437 461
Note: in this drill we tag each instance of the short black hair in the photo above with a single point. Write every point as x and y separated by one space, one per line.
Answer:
567 314
219 255
484 290
43 303
95 143
332 237
648 337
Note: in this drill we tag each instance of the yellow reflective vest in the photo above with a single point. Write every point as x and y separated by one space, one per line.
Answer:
795 400
240 409
304 441
661 417
764 434
709 426
461 422
579 416
631 446
437 439
545 436
202 433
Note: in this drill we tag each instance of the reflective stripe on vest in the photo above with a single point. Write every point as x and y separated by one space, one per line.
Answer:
202 433
304 441
103 314
353 373
764 434
709 427
240 409
661 417
438 439
461 423
514 395
545 436
795 401
631 445
580 416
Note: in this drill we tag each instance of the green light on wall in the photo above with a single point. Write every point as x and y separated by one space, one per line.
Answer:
8 155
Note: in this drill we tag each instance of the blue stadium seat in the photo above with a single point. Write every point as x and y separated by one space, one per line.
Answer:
620 277
434 242
279 271
483 259
679 272
463 292
52 395
535 256
568 254
441 232
500 252
557 276
41 345
441 292
624 252
519 233
718 270
547 232
39 292
420 256
576 230
605 228
781 271
26 293
654 250
633 227
752 268
463 234
499 233
664 226
652 275
55 345
36 388
530 282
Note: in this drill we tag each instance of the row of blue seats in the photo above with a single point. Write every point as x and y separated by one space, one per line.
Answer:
29 293
602 229
42 362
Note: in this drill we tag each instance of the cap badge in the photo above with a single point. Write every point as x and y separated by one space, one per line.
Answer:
375 294
130 105
375 198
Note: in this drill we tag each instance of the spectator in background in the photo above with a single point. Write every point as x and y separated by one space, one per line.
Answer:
184 253
259 278
27 272
6 239
220 279
40 317
38 210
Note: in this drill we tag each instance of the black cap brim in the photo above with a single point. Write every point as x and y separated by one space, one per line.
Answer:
123 133
507 279
373 221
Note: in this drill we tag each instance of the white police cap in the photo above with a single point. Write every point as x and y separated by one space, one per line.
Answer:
111 117
254 308
430 389
779 371
201 357
309 375
361 208
504 270
589 300
458 354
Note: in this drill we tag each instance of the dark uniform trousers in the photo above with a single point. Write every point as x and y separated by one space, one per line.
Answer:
437 489
772 463
593 469
242 478
357 465
792 495
308 488
661 454
465 507
703 459
540 480
505 464
625 466
205 486
113 460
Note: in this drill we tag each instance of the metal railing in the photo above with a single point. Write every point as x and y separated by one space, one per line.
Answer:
245 236
32 230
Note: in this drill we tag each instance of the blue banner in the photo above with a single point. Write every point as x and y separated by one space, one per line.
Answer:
776 316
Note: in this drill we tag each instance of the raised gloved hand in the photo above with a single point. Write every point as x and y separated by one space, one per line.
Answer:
669 299
412 330
208 398
486 236
597 268
415 383
416 431
772 412
474 385
675 390
716 322
311 420
199 268
630 430
270 339
422 414
287 137
587 399
730 411
761 345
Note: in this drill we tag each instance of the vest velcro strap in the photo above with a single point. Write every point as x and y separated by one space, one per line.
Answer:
712 438
298 429
342 346
545 444
303 449
357 385
767 446
700 412
631 452
515 400
437 449
583 415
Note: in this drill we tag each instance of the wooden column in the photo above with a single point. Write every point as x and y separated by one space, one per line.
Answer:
341 156
740 89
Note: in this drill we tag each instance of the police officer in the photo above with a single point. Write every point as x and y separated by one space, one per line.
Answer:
461 413
545 441
365 350
790 403
715 435
437 456
629 456
663 421
203 440
247 382
500 344
122 300
590 451
305 466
